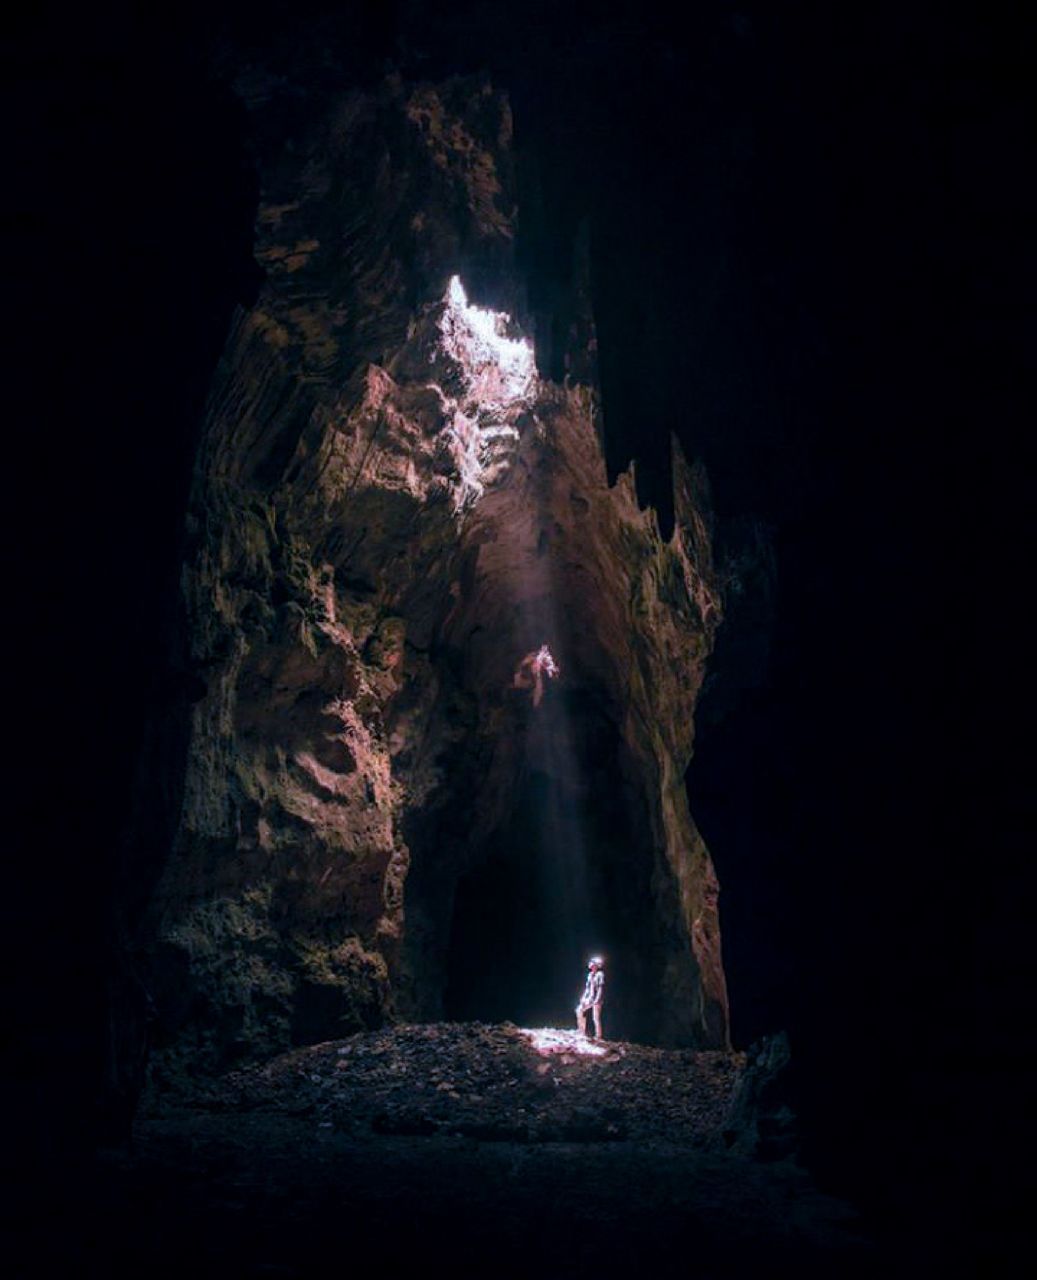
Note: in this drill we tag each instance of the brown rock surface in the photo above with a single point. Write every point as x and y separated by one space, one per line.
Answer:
390 508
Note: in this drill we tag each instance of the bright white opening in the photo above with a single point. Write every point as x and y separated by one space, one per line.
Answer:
477 338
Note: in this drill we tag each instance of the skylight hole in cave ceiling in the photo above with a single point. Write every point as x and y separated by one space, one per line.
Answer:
498 374
501 370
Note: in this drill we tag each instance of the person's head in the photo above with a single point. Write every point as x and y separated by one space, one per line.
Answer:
595 962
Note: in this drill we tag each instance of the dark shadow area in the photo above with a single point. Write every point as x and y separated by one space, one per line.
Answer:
518 936
132 207
567 877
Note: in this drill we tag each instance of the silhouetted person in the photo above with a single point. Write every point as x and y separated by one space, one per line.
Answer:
592 998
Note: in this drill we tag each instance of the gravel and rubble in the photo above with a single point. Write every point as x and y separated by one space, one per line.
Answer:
491 1082
488 1147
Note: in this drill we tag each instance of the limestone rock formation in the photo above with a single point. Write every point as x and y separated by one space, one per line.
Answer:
390 508
762 1121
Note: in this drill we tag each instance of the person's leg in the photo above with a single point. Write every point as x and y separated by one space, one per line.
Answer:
597 1021
580 1015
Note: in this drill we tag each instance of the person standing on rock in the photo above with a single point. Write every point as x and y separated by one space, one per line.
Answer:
592 998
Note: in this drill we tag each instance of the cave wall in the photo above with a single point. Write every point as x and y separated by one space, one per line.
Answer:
384 519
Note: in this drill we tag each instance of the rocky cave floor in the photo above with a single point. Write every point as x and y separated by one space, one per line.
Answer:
483 1149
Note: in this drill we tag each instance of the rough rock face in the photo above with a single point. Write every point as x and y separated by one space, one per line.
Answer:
390 509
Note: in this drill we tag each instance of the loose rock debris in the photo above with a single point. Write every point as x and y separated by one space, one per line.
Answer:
471 1142
490 1082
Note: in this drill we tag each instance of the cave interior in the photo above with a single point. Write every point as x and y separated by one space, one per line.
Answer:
825 306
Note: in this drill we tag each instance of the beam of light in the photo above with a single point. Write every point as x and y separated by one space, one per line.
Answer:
492 386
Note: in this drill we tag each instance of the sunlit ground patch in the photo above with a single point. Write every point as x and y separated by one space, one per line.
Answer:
550 1040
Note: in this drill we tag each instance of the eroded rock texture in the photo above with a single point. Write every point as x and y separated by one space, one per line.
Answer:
390 509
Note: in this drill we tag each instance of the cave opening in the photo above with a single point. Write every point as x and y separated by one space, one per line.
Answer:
567 875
